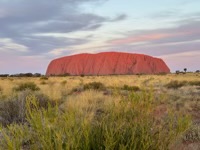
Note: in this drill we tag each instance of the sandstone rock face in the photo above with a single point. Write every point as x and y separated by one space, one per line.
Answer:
107 63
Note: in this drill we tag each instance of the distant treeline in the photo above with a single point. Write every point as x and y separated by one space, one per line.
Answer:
183 72
22 75
67 74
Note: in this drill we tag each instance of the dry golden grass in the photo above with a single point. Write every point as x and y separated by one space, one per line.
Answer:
59 88
54 85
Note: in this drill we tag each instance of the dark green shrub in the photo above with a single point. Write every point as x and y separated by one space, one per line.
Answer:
176 84
13 109
130 88
28 85
94 86
44 78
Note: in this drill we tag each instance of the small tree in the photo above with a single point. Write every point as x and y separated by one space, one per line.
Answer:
185 69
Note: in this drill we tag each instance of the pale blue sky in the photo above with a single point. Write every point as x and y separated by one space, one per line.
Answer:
33 32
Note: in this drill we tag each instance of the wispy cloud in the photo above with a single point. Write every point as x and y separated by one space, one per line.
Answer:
7 46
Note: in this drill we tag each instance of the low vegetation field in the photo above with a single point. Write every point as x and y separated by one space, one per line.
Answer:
133 112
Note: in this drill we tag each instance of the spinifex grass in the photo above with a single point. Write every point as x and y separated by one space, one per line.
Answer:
129 124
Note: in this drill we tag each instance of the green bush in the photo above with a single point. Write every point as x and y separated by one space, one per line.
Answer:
28 85
176 84
94 86
130 88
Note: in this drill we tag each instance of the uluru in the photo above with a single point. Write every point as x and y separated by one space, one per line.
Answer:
107 63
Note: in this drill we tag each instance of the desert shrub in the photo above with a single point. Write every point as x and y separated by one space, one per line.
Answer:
130 125
130 88
193 134
78 89
147 81
1 89
28 85
1 93
82 75
43 83
9 78
63 75
197 83
13 109
63 83
44 78
175 84
94 86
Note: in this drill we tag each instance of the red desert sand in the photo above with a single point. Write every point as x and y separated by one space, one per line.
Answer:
107 63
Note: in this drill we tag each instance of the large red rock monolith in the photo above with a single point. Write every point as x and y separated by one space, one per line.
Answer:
107 63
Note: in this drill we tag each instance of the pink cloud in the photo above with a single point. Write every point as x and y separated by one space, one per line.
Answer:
154 35
140 38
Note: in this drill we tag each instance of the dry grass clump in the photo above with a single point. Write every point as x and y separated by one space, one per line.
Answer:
27 85
98 86
94 86
130 88
44 78
192 135
43 82
63 83
196 83
175 84
1 90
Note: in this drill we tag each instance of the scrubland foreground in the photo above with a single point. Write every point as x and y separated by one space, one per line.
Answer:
132 112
